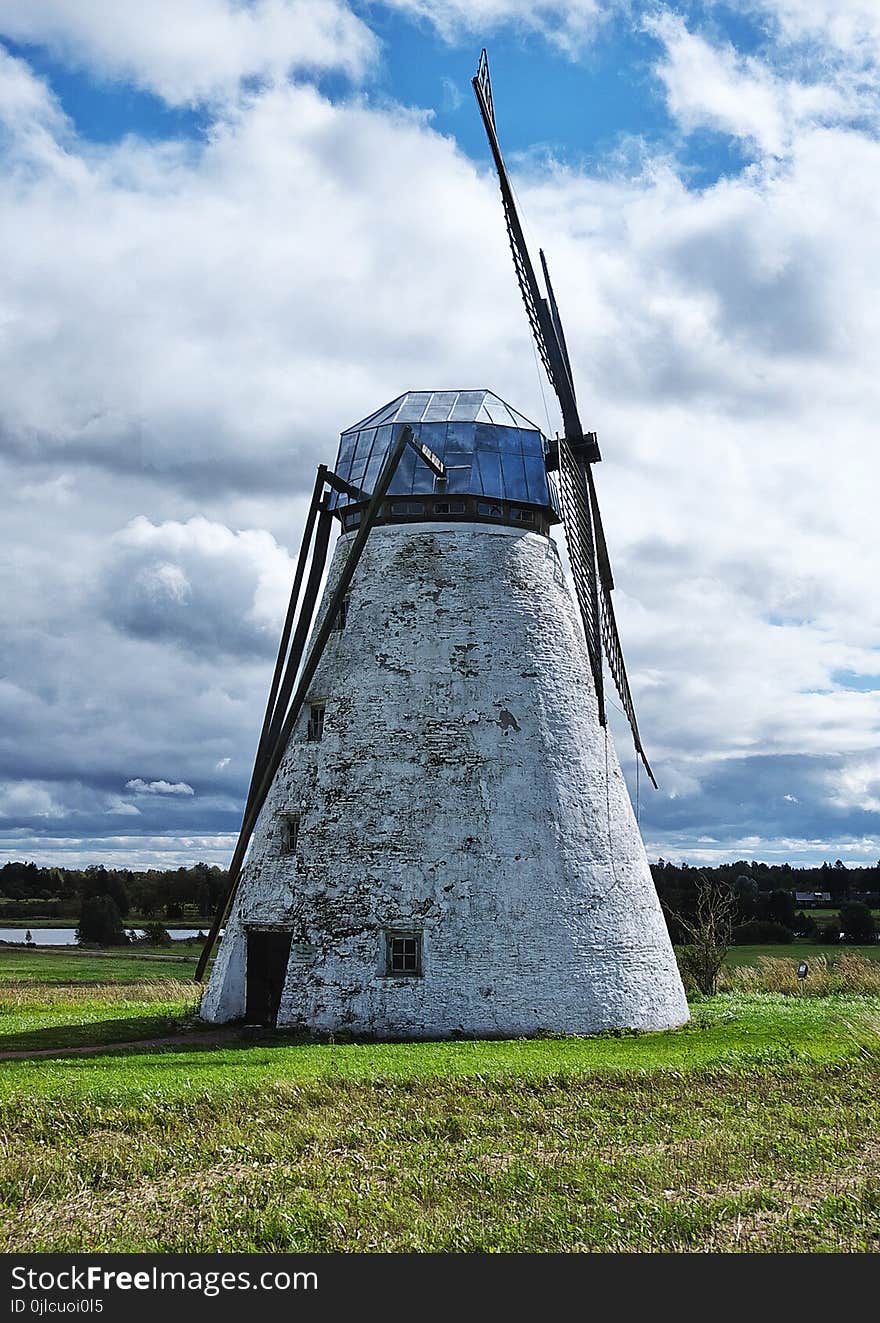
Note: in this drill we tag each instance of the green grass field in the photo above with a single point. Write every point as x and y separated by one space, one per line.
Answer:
755 1128
112 966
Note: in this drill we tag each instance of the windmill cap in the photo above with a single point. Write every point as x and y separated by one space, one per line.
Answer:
490 450
446 406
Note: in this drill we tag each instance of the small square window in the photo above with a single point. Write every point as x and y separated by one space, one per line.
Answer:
315 731
403 954
289 833
341 615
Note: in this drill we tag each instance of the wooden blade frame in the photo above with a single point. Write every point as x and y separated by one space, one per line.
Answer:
575 451
540 315
579 534
287 694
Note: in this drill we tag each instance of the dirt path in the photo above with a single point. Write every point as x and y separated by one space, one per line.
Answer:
99 1049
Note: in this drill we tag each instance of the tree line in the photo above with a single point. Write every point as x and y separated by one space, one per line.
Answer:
29 891
763 908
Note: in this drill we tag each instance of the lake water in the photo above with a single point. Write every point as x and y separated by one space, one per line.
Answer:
67 936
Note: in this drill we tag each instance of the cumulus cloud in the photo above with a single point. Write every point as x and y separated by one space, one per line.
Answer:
712 86
850 28
198 51
199 585
140 787
197 313
567 24
857 785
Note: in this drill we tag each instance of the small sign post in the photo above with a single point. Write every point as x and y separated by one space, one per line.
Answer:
803 970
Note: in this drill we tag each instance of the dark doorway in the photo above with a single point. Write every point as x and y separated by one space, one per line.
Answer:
267 956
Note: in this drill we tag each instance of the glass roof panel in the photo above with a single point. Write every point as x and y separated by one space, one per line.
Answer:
467 406
458 479
490 472
536 479
440 406
413 406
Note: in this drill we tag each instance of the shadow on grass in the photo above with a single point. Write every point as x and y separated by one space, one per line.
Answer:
60 1037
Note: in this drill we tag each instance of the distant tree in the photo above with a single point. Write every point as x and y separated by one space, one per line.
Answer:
780 908
857 923
156 934
101 922
99 881
709 930
804 925
828 934
760 932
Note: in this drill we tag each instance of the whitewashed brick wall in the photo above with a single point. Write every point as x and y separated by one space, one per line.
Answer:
465 789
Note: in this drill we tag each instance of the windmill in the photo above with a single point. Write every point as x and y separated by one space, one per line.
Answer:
437 837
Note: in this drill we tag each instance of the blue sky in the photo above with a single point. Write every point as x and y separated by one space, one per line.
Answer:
578 110
234 230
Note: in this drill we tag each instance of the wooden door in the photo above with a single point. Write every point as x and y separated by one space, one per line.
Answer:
267 955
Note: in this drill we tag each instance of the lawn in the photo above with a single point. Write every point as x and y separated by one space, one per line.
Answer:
749 955
754 1128
72 966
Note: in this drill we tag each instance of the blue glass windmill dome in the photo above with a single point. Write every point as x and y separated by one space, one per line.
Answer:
495 459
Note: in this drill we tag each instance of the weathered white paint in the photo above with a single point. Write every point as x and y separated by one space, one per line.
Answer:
464 788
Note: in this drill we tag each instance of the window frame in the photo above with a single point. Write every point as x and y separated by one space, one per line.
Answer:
313 724
290 829
400 935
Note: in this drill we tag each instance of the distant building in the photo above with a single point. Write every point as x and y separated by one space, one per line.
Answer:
812 899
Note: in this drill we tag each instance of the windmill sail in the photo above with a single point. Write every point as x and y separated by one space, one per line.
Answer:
576 516
576 451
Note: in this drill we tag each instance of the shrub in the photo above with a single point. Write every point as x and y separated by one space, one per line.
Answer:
804 925
757 932
857 923
155 934
709 934
101 922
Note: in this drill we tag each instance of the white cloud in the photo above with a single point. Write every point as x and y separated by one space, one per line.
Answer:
857 785
29 799
196 51
713 86
568 24
173 300
140 787
141 851
197 584
848 27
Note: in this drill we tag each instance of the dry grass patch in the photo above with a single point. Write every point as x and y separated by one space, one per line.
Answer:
848 973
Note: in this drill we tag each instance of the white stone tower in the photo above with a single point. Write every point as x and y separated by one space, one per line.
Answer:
448 845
